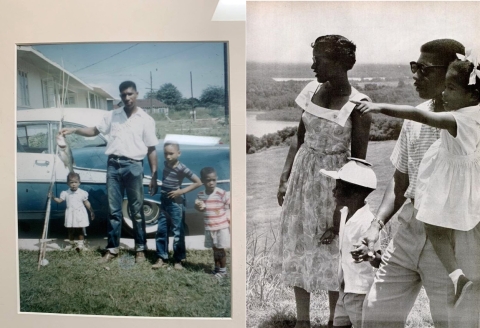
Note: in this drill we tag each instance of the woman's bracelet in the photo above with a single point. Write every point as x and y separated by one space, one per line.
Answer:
380 223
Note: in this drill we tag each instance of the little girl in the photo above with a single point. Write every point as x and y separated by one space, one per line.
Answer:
76 217
447 197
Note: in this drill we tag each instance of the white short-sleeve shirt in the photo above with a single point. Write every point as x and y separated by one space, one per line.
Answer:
128 136
358 277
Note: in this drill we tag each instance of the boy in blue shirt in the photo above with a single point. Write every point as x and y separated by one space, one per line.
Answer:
172 206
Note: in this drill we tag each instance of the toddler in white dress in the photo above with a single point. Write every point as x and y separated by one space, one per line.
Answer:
448 194
76 217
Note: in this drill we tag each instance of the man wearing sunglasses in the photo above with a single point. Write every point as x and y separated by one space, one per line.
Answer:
410 260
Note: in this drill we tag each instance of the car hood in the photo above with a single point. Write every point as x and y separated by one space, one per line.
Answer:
193 156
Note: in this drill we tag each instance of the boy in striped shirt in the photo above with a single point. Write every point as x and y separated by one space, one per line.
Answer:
215 204
172 200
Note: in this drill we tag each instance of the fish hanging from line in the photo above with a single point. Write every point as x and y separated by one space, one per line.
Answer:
65 152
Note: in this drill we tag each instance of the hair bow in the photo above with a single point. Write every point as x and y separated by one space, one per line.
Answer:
473 59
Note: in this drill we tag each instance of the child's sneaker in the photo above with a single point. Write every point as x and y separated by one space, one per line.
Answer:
159 264
220 275
463 286
70 246
178 266
79 246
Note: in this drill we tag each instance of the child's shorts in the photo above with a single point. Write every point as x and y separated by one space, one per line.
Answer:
217 238
349 309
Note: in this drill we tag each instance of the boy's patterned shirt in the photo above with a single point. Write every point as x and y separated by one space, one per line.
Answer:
217 209
173 176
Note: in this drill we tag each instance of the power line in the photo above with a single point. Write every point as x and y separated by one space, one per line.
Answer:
147 62
105 58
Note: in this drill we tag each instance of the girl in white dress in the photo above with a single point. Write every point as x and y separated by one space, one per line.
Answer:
76 217
448 192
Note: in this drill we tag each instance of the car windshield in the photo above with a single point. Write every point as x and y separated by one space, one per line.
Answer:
76 141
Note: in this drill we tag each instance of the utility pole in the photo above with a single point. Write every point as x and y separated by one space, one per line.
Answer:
194 113
151 93
151 90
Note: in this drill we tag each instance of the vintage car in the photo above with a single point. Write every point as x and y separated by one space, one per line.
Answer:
36 162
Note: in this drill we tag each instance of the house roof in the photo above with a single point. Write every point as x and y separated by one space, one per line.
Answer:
53 69
145 103
37 59
102 92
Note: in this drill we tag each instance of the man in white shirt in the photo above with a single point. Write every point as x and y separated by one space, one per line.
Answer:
354 182
132 136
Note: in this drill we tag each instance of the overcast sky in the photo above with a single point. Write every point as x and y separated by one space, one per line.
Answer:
384 32
108 64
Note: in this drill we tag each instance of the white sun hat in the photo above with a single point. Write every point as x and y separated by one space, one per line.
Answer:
356 171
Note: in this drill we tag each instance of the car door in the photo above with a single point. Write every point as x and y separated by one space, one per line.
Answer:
35 160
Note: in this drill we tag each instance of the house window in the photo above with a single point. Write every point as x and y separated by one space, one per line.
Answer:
95 101
48 93
22 89
67 97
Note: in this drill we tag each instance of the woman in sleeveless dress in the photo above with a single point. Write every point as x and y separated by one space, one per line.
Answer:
328 133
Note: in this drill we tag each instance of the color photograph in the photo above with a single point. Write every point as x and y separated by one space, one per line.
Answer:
362 156
123 179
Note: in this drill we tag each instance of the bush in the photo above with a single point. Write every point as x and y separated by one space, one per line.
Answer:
385 128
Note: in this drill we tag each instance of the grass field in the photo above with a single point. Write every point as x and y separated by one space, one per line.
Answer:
269 303
202 127
209 122
75 284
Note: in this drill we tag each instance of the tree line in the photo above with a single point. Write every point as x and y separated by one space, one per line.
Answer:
266 94
211 97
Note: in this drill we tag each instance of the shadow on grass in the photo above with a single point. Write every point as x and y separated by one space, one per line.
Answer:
284 320
196 261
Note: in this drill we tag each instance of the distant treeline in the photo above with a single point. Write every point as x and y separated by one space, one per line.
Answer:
257 70
265 95
277 99
382 128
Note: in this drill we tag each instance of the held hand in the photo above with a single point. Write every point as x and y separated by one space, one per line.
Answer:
92 215
366 246
327 237
66 131
361 253
174 194
152 187
282 190
366 107
371 236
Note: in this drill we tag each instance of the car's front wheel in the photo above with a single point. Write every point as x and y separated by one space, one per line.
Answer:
150 210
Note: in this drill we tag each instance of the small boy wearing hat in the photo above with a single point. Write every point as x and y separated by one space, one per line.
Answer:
354 182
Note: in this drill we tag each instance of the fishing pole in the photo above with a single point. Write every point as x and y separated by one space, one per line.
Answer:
44 240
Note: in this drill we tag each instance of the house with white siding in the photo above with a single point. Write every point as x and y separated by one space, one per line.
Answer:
42 83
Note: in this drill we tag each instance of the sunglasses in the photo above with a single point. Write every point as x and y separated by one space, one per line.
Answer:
415 67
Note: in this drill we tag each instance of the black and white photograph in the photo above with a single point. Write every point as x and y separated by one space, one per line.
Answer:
123 179
362 136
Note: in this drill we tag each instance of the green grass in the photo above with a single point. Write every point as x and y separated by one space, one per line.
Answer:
269 303
208 127
75 284
209 122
